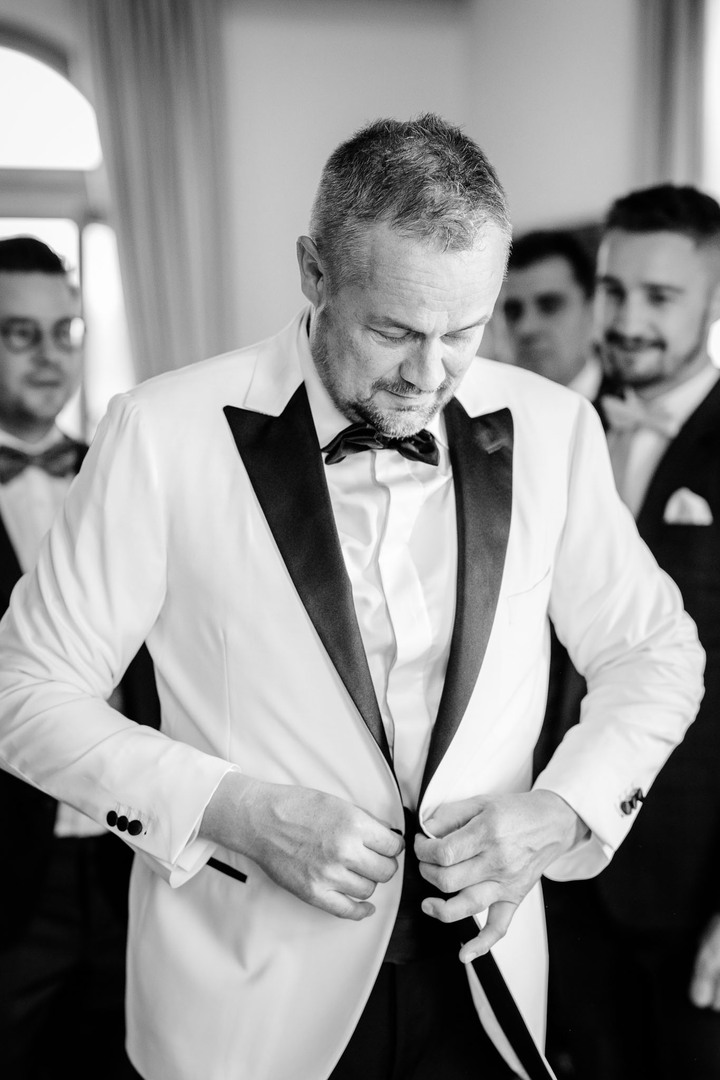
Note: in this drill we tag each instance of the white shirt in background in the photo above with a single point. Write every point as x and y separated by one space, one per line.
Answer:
646 446
588 379
28 504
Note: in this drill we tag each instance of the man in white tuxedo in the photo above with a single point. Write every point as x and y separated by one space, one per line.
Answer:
342 546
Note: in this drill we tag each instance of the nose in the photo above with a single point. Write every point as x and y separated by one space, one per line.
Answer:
628 317
48 351
425 368
529 322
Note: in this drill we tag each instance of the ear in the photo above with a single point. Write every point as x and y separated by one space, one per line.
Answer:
714 308
312 274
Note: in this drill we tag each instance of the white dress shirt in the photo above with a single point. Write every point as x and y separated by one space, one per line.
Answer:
396 523
636 455
588 379
28 504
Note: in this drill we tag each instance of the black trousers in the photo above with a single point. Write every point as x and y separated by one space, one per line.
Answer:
62 981
618 997
420 1024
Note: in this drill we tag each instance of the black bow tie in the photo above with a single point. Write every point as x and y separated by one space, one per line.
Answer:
358 437
62 459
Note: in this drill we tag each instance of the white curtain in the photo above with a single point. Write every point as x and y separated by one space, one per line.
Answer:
671 91
157 76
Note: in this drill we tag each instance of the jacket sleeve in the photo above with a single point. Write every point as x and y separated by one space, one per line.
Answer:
72 628
622 621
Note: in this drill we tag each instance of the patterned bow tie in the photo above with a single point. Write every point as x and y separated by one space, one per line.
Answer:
358 437
631 414
62 459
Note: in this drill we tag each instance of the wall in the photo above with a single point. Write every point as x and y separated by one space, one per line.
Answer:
554 92
548 87
301 77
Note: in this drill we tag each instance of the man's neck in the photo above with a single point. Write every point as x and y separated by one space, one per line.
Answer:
29 435
655 390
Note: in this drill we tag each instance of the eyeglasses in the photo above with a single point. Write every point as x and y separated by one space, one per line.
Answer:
21 334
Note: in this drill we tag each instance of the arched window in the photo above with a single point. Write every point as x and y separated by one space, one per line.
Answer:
50 173
50 124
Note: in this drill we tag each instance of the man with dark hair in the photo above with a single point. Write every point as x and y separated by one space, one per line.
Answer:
63 902
342 545
546 303
645 934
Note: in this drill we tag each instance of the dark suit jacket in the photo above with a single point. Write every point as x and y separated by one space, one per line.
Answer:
26 842
666 874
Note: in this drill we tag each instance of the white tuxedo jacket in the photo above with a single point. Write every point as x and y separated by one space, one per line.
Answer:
201 523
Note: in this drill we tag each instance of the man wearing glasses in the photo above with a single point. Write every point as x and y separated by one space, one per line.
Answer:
62 917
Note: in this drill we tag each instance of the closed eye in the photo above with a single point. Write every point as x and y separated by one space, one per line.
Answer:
398 335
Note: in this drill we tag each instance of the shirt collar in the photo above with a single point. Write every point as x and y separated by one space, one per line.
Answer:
588 379
681 401
55 435
326 416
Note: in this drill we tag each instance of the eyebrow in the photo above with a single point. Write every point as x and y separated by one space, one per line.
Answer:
387 321
608 279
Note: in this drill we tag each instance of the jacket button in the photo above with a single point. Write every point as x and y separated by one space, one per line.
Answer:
122 823
135 827
628 805
111 819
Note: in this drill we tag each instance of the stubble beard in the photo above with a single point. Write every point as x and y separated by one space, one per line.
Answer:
395 423
658 376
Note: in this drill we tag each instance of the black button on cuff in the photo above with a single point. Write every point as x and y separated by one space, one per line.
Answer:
135 827
112 819
122 823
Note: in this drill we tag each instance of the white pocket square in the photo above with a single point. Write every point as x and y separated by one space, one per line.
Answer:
685 507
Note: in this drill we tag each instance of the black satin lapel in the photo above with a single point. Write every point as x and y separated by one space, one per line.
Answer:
481 456
285 466
10 571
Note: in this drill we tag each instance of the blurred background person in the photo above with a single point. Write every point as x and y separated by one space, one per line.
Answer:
63 905
645 934
547 304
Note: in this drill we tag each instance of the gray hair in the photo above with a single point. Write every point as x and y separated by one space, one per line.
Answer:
422 177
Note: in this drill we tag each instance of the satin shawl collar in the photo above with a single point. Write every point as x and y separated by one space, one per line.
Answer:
283 460
672 470
481 456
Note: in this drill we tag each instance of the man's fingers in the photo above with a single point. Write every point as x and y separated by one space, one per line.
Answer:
452 816
705 986
451 879
345 907
456 847
499 918
356 886
702 990
468 902
382 839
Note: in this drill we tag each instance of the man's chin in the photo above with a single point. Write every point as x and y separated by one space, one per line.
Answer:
637 370
401 422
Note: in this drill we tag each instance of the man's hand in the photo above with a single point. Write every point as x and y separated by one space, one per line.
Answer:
320 848
491 852
705 983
